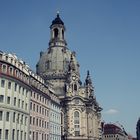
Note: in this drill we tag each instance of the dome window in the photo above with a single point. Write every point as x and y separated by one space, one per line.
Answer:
55 32
63 34
47 65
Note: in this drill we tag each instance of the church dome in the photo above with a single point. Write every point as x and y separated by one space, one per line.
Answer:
54 63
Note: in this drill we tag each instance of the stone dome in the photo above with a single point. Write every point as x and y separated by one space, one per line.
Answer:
58 60
54 63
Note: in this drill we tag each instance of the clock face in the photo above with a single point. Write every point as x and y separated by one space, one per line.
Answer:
73 77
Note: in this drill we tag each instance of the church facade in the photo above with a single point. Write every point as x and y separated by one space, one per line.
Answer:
81 113
51 104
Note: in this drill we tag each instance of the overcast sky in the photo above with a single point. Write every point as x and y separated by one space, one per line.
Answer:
105 34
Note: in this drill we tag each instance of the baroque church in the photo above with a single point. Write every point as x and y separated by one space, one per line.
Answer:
58 66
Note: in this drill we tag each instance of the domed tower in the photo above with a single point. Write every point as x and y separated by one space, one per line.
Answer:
80 112
53 64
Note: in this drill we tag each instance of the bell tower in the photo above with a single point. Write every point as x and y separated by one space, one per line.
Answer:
57 29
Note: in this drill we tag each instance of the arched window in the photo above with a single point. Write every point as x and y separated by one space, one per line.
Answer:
16 73
11 70
77 123
55 32
4 68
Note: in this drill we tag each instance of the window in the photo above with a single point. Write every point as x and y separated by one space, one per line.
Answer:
21 135
1 114
11 60
47 64
15 87
34 107
26 92
77 123
22 104
42 136
0 134
33 135
47 125
33 121
17 73
9 85
6 134
63 34
40 123
55 32
2 83
37 121
18 102
47 137
13 134
26 107
25 135
11 71
18 118
25 120
37 108
7 116
21 119
17 134
14 101
4 68
14 116
23 91
40 110
1 98
77 133
30 105
37 96
8 100
30 120
19 89
36 135
75 87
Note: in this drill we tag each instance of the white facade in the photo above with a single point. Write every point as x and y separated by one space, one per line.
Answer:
14 99
25 103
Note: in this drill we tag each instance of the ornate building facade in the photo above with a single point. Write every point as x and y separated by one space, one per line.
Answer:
81 113
51 104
